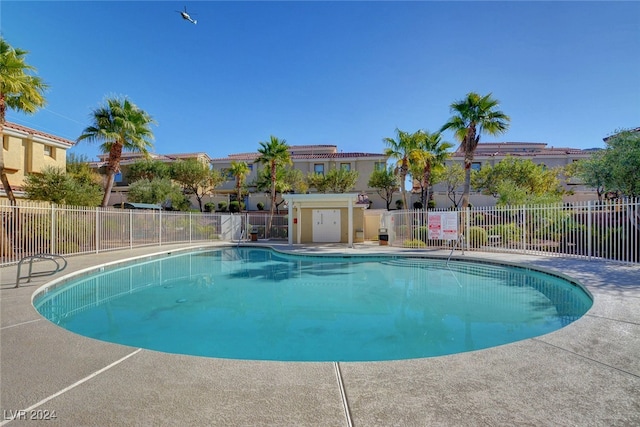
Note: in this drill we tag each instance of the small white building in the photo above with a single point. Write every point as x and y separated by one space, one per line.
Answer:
325 218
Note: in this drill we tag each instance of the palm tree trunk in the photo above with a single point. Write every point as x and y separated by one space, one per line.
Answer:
466 188
273 199
6 185
107 188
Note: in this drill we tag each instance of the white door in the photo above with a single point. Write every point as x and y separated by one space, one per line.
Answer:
326 225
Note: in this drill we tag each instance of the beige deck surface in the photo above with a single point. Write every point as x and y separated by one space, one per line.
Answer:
586 374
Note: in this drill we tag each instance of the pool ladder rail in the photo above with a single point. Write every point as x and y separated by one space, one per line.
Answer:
58 260
459 242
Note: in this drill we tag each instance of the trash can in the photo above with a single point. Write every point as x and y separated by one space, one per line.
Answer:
254 235
383 237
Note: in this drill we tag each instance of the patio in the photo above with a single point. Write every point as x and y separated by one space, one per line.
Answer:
587 373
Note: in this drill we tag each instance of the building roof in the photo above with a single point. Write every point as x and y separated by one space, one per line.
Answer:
24 131
132 157
305 152
518 149
636 130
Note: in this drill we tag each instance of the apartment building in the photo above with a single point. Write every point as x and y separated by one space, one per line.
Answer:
27 151
490 153
308 159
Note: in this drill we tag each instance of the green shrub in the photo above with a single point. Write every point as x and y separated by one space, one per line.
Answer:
477 236
417 205
209 207
415 243
222 206
260 206
421 233
507 232
235 206
478 219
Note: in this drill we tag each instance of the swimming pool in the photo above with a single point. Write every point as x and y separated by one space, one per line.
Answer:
259 304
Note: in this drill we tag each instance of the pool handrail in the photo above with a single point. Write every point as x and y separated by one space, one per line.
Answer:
58 260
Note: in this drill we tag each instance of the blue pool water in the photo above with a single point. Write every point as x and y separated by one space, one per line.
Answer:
254 303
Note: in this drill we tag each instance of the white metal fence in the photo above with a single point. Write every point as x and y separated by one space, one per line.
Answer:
31 228
609 230
587 230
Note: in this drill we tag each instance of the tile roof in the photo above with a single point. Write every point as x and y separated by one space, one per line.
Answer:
518 149
250 157
606 138
30 131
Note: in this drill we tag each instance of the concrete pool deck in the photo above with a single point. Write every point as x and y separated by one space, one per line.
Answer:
586 374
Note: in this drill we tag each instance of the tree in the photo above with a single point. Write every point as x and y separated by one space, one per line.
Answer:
196 177
20 90
593 172
119 125
473 116
453 176
287 180
622 158
159 191
430 153
400 149
385 183
334 181
274 154
519 181
239 170
148 169
58 186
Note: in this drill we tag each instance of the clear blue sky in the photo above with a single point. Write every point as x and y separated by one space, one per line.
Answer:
342 73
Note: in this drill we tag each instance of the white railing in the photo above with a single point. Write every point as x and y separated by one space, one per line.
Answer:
586 230
609 230
32 228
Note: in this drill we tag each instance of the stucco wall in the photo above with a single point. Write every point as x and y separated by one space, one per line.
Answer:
306 224
24 156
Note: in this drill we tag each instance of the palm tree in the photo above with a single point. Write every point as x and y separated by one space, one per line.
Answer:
274 153
400 149
430 153
239 170
20 90
120 126
473 116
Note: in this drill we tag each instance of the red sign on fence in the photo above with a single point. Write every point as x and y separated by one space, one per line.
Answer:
443 225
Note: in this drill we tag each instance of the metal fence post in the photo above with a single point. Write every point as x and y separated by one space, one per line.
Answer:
589 230
130 228
52 245
97 230
160 228
467 226
523 219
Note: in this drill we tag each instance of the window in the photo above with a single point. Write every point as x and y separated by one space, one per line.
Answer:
49 151
345 166
318 168
475 166
379 166
5 142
